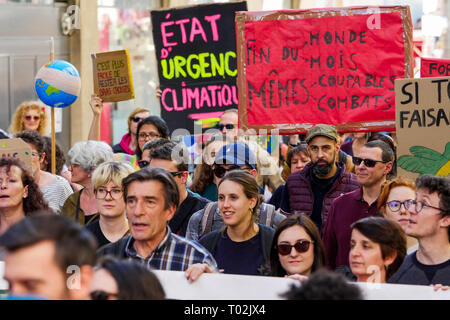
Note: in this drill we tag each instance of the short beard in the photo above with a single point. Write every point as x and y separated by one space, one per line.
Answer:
321 170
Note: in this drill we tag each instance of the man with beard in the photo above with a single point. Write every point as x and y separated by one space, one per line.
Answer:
312 190
372 164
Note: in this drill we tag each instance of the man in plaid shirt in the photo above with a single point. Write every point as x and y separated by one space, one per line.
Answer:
151 197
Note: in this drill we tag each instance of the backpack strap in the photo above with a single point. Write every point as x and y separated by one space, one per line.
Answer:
270 214
266 214
207 218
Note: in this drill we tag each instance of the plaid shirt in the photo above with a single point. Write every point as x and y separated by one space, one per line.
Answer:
173 253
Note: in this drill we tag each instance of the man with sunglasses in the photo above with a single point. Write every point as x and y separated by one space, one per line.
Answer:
429 224
312 190
268 171
175 159
234 156
372 162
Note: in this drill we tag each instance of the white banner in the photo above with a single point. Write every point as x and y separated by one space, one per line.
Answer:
237 287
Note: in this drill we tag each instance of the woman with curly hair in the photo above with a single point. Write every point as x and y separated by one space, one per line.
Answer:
19 194
30 115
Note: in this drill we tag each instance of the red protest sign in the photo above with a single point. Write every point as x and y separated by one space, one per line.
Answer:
300 68
433 67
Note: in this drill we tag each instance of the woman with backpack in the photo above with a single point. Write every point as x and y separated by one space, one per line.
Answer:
242 246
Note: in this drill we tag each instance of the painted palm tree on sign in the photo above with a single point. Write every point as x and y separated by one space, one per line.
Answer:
427 161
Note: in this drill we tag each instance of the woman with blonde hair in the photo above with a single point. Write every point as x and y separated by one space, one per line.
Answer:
30 115
107 181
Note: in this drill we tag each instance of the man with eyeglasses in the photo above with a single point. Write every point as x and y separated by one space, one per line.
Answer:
234 156
268 171
429 224
312 190
372 162
175 159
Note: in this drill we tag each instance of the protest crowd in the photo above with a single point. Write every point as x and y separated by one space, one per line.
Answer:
333 211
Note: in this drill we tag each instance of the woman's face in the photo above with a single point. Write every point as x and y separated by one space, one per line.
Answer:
103 281
110 201
234 206
209 154
12 191
141 116
398 195
31 119
79 175
296 262
366 259
299 161
148 132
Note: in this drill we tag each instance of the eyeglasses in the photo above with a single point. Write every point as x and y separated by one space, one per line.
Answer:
219 171
35 118
35 154
101 193
143 163
136 119
367 162
176 173
300 246
420 204
395 205
227 126
152 135
102 295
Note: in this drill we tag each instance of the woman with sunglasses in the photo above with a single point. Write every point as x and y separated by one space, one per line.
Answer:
377 249
205 181
128 143
297 249
150 128
84 157
107 181
396 197
30 115
243 246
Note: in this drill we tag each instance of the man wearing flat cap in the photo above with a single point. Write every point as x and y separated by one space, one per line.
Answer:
312 190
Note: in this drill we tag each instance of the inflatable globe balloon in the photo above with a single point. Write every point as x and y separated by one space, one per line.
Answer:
58 84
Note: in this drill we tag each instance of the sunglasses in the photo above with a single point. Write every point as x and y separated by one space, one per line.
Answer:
177 173
101 295
35 118
300 246
219 172
136 119
143 163
367 162
227 126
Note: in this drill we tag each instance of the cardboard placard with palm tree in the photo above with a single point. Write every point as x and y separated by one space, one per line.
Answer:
423 126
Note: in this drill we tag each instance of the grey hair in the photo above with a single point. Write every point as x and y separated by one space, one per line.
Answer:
89 154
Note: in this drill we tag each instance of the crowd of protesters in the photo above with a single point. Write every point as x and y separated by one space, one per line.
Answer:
338 212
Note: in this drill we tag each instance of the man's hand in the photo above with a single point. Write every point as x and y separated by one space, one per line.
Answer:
196 270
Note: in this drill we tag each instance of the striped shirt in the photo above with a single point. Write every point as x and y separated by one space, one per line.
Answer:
173 253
